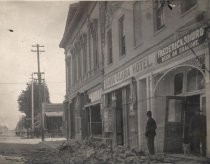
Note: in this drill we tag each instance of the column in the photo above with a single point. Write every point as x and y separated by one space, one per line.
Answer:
114 99
207 78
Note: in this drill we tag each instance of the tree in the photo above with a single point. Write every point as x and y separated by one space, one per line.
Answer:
24 100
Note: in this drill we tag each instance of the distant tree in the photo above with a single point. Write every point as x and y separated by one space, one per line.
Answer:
24 100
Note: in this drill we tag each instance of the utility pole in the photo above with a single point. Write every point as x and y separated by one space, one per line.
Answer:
39 82
32 104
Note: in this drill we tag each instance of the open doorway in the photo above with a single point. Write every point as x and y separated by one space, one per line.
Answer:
94 121
119 118
180 114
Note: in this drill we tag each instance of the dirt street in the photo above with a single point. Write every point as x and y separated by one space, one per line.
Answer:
14 150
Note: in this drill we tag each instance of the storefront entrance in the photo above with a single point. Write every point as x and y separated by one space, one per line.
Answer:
179 113
179 93
174 124
119 118
94 121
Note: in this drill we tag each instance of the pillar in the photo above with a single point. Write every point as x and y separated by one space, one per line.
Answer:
207 78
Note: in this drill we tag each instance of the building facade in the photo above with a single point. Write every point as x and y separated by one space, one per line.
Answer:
53 119
153 57
84 66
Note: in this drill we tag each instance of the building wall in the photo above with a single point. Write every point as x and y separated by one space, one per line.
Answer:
82 44
173 19
175 25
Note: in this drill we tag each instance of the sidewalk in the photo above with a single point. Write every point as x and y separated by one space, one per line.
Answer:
178 159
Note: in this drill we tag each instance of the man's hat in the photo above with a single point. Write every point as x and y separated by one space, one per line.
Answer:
149 113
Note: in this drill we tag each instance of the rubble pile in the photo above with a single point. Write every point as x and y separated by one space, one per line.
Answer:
94 152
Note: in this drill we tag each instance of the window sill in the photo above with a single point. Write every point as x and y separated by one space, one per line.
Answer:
138 45
122 56
109 65
160 30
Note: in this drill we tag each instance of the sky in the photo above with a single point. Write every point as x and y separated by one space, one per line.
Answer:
32 22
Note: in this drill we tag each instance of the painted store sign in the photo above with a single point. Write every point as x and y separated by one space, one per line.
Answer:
139 66
95 95
188 41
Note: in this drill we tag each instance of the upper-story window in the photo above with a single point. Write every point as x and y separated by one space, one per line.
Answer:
158 15
187 4
84 52
121 36
74 65
94 34
79 63
137 23
109 47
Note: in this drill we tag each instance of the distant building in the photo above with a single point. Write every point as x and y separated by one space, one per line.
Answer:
124 58
53 119
3 129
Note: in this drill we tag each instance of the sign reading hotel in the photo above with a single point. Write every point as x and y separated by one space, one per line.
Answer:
139 66
95 95
188 41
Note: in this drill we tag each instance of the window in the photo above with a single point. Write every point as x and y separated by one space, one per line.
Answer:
74 68
79 63
94 32
137 23
187 4
121 36
158 15
175 111
178 83
109 47
84 52
195 80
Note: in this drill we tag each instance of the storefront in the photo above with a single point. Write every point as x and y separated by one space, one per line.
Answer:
121 101
118 116
170 82
93 113
177 90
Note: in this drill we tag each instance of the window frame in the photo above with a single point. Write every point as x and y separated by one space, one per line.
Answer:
109 47
180 73
184 9
157 6
137 25
122 46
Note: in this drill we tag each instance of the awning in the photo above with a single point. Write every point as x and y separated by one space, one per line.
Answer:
54 114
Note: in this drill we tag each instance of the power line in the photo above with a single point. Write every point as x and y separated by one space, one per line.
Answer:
2 83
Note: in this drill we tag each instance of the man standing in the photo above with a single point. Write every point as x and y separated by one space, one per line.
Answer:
150 132
198 133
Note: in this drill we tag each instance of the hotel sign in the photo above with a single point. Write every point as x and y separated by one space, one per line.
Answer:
95 95
181 45
139 66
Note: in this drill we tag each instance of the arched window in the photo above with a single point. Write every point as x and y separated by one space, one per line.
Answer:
195 80
178 83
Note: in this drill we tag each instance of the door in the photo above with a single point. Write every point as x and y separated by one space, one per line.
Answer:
119 118
174 124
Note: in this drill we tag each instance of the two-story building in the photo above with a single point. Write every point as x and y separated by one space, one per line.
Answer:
84 66
153 55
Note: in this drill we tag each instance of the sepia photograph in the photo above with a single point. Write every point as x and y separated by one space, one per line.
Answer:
105 82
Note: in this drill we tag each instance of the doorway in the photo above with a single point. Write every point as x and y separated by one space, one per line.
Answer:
179 112
119 118
94 121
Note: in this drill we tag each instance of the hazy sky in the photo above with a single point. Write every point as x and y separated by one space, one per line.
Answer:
32 22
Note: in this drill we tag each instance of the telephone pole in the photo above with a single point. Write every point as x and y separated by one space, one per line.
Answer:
32 104
38 51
